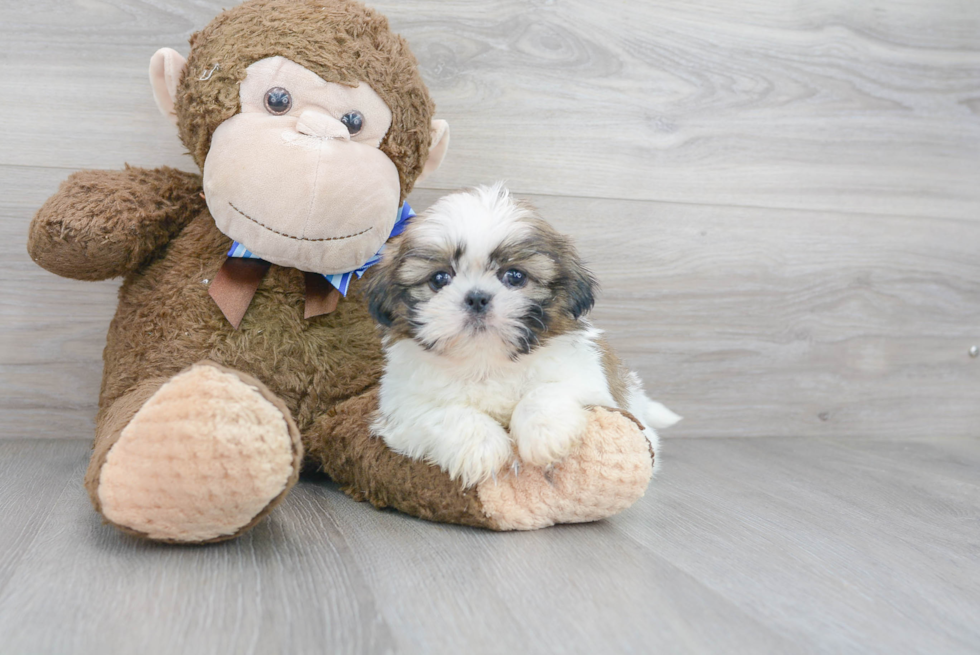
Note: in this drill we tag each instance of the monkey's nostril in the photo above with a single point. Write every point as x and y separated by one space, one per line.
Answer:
477 301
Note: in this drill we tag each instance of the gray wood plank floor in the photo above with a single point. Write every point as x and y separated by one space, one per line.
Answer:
782 202
740 546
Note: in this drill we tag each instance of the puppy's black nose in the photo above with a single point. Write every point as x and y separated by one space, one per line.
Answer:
477 301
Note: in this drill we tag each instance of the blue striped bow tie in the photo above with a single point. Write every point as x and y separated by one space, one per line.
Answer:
341 281
235 284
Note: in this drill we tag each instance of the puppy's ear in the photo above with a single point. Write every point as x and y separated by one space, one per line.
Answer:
581 285
575 287
381 309
380 295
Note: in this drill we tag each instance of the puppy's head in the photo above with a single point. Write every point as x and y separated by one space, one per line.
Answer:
482 271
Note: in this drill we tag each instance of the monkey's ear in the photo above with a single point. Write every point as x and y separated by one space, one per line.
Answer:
437 149
166 66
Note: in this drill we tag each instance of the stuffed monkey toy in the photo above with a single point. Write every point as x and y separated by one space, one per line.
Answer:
241 348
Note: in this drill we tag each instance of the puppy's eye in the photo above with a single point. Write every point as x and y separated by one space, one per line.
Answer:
354 121
514 278
278 101
439 279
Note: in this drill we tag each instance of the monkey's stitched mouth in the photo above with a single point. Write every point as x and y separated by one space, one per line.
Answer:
290 236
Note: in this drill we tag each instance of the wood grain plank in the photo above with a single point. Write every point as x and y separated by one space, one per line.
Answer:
749 322
855 546
739 546
34 477
571 589
870 108
52 330
84 587
327 574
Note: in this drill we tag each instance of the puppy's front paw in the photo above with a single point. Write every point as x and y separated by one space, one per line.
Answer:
482 447
546 429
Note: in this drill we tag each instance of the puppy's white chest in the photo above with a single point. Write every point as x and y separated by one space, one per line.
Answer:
497 396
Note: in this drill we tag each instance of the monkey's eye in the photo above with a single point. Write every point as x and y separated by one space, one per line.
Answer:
514 278
439 279
278 101
354 121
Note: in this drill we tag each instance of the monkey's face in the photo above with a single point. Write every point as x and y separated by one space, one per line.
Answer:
297 176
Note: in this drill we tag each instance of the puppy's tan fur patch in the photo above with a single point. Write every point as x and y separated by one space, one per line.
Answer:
616 373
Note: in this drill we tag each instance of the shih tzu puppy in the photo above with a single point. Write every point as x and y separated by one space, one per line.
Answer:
482 305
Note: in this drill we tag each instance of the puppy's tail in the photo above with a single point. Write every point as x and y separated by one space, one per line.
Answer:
651 413
657 416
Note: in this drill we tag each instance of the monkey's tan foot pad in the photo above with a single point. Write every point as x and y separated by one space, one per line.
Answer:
606 473
203 459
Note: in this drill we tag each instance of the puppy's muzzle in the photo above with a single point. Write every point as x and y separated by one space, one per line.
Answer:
477 302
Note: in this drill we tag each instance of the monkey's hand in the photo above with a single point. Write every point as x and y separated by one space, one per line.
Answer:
102 224
606 470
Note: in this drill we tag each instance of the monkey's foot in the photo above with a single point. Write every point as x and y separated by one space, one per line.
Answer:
605 473
203 459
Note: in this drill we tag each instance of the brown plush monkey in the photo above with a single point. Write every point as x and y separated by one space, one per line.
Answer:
241 345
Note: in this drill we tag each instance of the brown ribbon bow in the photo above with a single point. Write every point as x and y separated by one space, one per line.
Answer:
238 279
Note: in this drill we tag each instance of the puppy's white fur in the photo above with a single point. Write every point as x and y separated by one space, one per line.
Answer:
465 392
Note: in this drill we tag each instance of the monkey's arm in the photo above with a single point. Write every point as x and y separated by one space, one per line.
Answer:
102 224
606 472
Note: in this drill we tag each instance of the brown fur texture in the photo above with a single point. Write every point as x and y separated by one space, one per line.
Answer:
166 321
153 228
322 371
104 224
342 41
616 373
